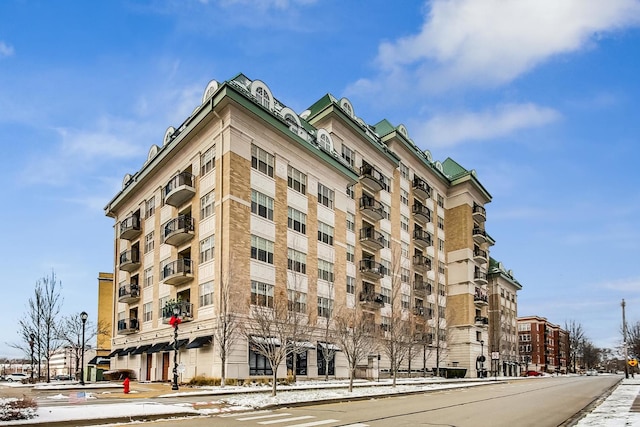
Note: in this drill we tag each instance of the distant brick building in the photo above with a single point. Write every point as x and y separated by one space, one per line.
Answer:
543 346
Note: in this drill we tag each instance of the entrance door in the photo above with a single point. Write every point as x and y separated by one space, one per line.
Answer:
165 366
149 361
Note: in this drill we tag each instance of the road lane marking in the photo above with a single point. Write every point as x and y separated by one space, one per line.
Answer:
286 420
315 423
258 417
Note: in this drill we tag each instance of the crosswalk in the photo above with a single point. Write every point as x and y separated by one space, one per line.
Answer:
285 419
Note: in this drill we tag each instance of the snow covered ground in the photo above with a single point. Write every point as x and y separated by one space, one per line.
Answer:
613 412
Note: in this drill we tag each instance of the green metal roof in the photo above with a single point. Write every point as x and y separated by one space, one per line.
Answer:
496 268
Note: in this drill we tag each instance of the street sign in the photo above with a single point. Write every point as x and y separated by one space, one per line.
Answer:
182 368
633 362
495 355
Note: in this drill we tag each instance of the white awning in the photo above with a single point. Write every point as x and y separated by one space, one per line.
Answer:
302 344
265 340
329 346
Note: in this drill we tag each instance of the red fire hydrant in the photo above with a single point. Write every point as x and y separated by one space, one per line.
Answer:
126 385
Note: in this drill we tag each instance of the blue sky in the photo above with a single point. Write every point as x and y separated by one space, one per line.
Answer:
540 97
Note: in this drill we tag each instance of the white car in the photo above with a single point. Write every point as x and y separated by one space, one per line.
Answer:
15 377
592 372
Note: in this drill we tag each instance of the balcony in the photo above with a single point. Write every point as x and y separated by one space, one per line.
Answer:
424 312
480 277
128 326
479 213
479 235
130 227
371 177
185 311
422 238
177 272
480 298
482 321
178 230
421 212
421 188
372 208
371 300
130 260
129 293
179 189
422 286
421 262
479 255
372 269
372 239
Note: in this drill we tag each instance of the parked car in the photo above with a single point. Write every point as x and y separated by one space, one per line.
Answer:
531 374
63 377
592 372
16 377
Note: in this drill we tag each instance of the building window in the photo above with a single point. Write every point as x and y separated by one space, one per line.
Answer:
404 249
206 294
325 196
261 294
326 366
405 300
386 211
207 246
206 205
440 267
385 323
404 171
404 197
325 307
325 270
351 253
404 275
441 223
404 223
261 205
296 180
297 301
351 192
263 97
259 364
150 206
351 222
440 201
148 277
149 242
208 160
147 312
348 155
262 161
296 261
325 233
387 239
351 285
297 221
324 141
261 249
386 295
441 245
161 303
478 336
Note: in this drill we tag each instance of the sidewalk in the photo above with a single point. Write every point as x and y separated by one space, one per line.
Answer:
620 409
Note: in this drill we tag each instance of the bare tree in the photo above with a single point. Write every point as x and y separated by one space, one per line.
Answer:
354 334
633 339
576 339
591 355
327 349
268 331
225 334
69 331
299 327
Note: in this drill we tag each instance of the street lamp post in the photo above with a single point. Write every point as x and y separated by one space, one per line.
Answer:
175 320
32 338
481 358
83 317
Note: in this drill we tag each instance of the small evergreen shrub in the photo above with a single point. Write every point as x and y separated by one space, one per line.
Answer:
17 409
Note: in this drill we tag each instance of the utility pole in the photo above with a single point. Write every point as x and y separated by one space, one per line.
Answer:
624 341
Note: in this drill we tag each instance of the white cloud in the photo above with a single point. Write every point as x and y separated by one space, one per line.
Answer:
5 49
491 42
454 128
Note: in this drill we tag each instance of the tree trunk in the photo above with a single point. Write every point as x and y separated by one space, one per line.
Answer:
222 372
351 374
275 381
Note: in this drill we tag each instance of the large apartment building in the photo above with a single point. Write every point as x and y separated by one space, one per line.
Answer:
543 346
249 194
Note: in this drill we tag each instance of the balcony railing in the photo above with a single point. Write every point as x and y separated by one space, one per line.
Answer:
422 212
372 269
479 235
371 177
480 297
479 213
421 188
177 272
128 326
423 286
130 260
371 300
479 276
184 308
422 262
372 238
130 227
372 208
179 189
422 237
481 320
129 293
479 255
178 230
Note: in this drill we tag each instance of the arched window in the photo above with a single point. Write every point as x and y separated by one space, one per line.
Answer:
263 97
346 106
262 94
324 140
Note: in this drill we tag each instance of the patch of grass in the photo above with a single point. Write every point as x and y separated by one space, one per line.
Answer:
17 409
